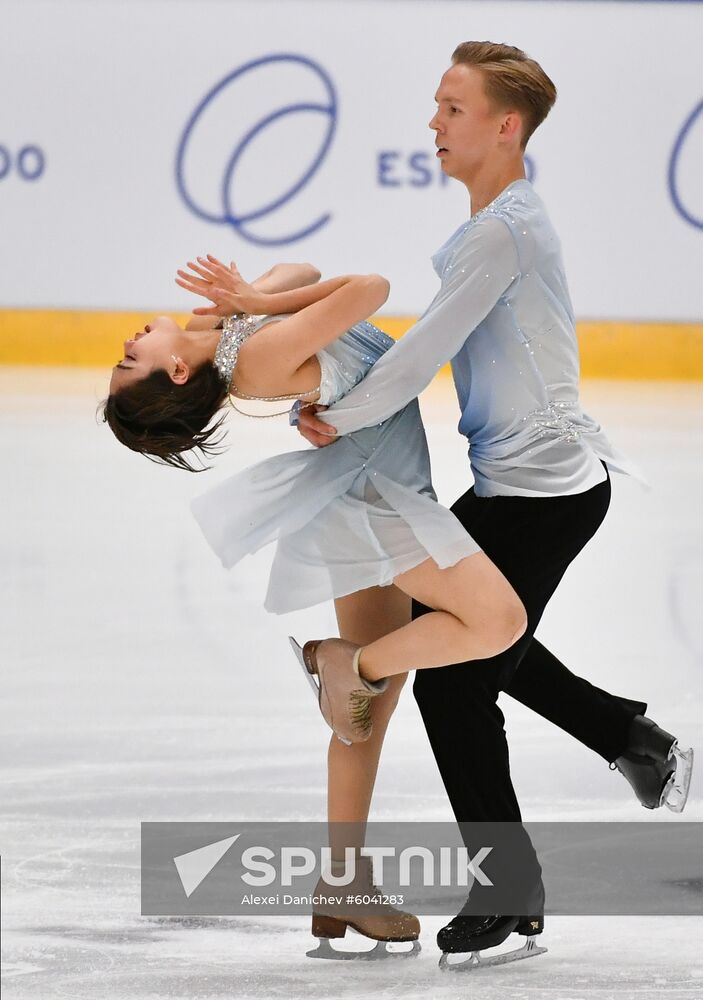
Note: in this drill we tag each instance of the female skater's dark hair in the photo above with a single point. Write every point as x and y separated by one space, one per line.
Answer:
161 420
511 78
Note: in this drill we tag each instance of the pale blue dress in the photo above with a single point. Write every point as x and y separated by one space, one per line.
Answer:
346 517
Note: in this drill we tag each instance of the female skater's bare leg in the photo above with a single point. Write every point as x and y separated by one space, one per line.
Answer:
363 618
478 616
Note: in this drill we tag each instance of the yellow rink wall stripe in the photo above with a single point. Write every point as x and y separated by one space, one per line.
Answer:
609 349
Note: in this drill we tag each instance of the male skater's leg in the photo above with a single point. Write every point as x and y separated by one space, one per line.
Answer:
532 541
596 718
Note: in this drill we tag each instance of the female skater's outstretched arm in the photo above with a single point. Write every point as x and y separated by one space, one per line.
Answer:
279 278
321 313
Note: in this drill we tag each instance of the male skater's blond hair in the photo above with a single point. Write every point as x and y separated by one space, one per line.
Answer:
511 80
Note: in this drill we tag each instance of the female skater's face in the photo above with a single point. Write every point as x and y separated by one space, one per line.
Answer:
467 124
148 350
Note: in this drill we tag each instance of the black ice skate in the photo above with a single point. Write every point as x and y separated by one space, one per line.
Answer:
474 934
658 770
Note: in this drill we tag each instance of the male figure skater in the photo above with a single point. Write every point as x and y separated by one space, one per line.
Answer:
541 486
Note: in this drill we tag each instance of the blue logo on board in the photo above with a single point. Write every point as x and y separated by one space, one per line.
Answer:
28 163
674 168
224 207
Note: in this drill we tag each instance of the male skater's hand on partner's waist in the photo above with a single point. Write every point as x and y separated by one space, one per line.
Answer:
315 431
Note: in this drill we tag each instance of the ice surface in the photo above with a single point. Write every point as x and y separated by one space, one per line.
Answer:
143 682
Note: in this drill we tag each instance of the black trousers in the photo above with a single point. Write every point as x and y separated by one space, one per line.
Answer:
531 540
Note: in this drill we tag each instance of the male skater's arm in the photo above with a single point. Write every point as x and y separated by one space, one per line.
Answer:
483 268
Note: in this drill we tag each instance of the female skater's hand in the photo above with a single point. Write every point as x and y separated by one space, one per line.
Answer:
315 431
222 285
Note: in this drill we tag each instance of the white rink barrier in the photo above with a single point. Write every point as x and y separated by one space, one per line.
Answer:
135 135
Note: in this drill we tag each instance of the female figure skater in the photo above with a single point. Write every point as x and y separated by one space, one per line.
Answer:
357 516
357 522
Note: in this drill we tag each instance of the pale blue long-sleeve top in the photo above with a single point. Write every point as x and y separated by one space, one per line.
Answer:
503 317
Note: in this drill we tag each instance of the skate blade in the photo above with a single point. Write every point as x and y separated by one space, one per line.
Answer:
379 953
675 794
478 961
312 680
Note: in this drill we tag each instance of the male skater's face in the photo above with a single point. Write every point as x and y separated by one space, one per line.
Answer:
468 126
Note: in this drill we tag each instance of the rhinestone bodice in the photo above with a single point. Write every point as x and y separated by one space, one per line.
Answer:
235 331
343 363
